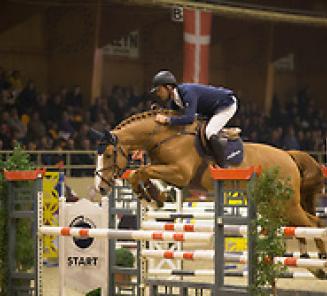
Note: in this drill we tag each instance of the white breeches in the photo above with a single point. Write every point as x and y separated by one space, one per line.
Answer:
219 120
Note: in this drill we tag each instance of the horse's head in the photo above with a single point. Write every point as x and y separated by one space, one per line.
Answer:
112 161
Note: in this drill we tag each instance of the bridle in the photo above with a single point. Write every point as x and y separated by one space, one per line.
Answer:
115 168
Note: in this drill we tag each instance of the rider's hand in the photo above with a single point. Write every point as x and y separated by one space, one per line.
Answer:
154 106
162 119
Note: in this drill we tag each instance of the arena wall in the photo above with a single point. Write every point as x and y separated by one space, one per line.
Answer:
23 47
71 33
55 47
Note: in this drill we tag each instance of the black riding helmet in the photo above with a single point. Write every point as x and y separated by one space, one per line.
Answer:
162 78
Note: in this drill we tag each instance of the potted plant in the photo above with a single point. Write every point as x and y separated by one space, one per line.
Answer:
124 258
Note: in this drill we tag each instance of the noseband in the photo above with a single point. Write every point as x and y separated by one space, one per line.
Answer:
117 171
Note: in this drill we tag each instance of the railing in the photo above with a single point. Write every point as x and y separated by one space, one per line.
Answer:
82 163
74 162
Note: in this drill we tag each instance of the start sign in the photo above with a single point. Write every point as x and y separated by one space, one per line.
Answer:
83 261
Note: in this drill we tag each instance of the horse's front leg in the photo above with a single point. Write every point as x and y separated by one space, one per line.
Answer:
141 184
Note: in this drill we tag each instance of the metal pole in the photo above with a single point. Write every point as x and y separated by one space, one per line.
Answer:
219 238
38 248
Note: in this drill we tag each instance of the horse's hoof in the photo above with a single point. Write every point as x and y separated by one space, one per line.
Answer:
145 204
154 205
141 196
320 274
159 203
304 255
322 256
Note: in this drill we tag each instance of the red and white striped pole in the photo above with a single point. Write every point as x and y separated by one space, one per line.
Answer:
208 255
300 262
126 234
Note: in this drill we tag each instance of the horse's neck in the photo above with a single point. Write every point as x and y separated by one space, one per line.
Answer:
141 135
145 134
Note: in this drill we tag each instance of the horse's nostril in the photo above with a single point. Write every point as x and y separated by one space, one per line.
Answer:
103 191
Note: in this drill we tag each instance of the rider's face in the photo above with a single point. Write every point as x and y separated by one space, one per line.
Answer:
163 92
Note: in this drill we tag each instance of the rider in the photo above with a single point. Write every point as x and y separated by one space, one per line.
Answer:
217 103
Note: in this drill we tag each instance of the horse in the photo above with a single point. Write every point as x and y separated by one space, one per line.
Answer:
175 159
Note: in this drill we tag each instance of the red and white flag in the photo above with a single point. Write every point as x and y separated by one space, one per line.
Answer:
197 30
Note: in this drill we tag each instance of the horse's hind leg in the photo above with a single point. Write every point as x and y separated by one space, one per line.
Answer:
320 244
295 215
316 220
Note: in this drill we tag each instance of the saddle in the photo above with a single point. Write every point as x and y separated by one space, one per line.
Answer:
233 149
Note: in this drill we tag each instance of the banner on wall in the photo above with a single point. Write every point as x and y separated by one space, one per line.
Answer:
197 30
126 46
285 63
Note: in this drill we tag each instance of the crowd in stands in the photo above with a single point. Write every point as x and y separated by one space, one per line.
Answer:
58 121
298 124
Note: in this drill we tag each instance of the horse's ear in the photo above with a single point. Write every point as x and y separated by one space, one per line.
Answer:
96 135
110 138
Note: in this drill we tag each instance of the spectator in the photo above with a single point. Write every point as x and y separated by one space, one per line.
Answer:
56 106
66 129
31 146
85 159
4 83
43 121
16 81
36 128
290 141
74 99
5 136
44 144
17 126
26 100
275 138
42 107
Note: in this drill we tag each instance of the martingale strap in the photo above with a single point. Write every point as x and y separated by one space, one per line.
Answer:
171 138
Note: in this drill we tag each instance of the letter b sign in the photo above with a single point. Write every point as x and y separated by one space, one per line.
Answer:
177 14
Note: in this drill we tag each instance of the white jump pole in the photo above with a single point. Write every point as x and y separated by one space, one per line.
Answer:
200 272
184 215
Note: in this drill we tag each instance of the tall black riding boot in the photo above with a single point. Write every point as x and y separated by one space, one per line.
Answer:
218 148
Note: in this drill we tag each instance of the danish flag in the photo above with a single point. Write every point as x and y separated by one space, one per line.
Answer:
197 29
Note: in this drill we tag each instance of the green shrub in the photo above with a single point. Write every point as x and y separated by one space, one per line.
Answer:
269 193
19 160
124 258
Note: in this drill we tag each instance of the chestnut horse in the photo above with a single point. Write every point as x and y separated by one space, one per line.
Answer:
176 161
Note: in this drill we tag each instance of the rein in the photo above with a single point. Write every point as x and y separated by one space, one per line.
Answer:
171 138
114 167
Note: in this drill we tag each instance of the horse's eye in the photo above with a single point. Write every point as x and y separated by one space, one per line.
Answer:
108 156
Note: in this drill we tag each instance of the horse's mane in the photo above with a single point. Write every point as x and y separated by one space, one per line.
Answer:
144 115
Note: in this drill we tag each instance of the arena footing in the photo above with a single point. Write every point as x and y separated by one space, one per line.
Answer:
284 292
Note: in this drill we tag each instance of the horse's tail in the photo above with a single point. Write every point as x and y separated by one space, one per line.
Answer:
312 179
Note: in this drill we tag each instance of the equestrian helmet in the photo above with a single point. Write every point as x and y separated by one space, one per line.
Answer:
162 78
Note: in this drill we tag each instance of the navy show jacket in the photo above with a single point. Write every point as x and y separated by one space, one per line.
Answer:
200 99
